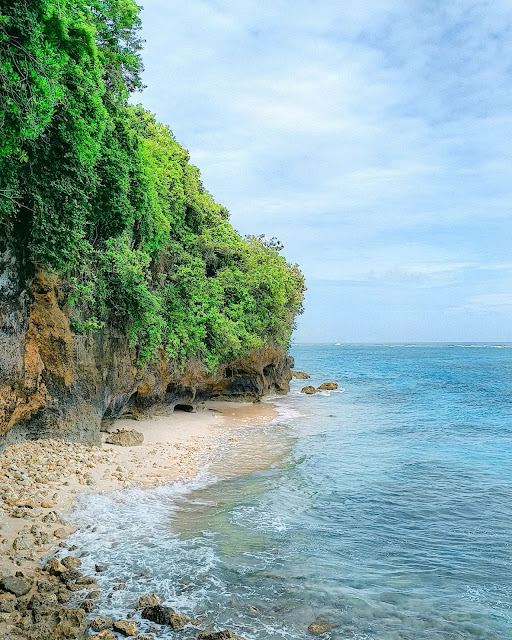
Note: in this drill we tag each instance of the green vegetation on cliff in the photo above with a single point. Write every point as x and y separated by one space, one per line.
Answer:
97 190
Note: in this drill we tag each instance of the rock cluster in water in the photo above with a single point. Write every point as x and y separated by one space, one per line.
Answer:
34 607
325 386
300 375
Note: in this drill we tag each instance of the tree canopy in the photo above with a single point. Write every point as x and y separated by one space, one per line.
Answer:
99 191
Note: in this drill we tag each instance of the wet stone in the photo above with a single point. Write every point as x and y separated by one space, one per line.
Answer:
216 635
55 567
71 563
100 624
149 600
320 627
328 386
309 390
105 635
126 628
64 596
159 614
88 605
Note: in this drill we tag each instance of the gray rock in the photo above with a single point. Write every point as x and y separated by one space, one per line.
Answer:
86 580
18 585
55 568
8 602
64 596
22 542
47 586
125 438
105 635
58 623
159 614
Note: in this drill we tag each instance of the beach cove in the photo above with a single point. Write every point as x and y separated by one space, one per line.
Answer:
40 481
376 511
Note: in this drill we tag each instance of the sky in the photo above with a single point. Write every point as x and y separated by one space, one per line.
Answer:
372 138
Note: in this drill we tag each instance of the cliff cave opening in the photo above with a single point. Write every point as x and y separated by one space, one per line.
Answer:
184 407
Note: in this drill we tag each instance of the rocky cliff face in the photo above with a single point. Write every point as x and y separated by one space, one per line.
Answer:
55 383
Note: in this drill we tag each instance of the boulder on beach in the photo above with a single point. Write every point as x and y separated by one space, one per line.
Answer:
328 386
125 438
55 568
58 623
300 375
126 628
19 585
71 562
8 602
100 624
23 542
309 390
106 635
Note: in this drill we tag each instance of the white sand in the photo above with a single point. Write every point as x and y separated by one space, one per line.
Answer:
43 477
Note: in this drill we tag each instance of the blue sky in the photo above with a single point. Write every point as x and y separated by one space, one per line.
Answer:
373 138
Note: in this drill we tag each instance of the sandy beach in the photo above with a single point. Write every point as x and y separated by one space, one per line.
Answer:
39 480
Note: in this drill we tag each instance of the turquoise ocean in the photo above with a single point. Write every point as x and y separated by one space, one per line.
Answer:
384 508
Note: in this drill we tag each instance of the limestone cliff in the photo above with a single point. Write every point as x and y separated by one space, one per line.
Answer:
55 383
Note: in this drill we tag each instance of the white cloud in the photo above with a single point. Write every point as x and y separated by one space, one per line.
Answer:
371 137
487 303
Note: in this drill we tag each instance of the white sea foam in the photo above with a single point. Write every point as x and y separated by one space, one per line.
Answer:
130 532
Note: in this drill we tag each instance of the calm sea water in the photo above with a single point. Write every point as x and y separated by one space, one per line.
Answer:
384 509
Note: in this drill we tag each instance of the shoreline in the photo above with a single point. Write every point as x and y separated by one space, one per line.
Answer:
40 480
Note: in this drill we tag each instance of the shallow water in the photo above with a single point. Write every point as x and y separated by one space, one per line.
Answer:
385 509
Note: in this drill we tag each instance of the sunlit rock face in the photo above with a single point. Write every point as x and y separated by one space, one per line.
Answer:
56 383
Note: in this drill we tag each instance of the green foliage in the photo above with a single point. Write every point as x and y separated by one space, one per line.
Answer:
98 190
